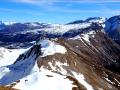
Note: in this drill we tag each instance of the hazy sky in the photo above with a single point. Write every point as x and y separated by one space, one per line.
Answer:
56 11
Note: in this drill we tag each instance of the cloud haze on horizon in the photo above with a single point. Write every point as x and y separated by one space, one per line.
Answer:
57 11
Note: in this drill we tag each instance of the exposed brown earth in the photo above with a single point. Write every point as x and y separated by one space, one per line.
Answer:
77 86
7 88
92 59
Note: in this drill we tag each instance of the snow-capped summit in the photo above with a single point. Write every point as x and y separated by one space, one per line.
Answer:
50 48
96 20
100 20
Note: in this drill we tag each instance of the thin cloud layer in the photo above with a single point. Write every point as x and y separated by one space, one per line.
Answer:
64 1
61 8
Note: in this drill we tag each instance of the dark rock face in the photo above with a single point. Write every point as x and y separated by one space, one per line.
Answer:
36 49
113 28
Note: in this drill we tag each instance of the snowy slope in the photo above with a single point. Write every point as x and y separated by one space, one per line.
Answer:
24 65
85 36
46 79
8 56
19 69
39 80
61 29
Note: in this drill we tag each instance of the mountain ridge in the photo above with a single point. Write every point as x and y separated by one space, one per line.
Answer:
89 60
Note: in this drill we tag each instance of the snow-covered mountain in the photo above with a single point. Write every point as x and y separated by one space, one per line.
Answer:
92 19
113 28
79 56
17 33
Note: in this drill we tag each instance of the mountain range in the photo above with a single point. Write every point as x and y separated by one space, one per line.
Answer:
80 55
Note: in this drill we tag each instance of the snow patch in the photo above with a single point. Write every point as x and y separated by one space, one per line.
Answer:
8 56
81 79
58 67
50 48
85 36
108 80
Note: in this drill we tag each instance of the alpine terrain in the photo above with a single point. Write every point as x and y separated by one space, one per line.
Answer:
79 55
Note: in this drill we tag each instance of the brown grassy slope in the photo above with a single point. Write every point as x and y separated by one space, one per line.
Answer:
89 60
6 88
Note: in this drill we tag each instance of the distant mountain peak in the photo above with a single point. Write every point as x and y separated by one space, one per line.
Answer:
91 19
